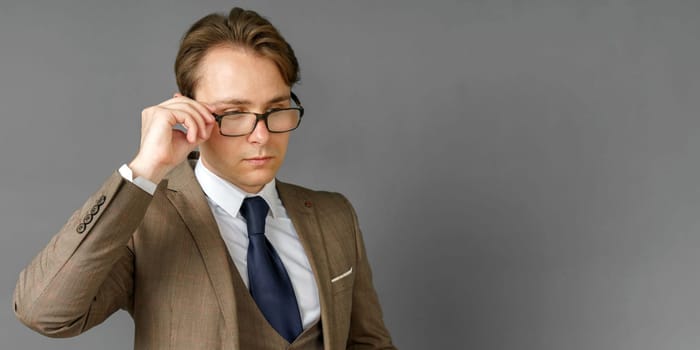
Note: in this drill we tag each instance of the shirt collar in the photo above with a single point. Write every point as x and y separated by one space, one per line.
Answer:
229 196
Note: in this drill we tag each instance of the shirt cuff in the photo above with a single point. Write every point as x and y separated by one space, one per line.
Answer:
142 183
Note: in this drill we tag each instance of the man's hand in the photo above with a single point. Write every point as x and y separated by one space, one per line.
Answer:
162 146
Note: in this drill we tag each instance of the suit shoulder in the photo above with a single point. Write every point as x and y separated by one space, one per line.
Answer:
305 191
316 196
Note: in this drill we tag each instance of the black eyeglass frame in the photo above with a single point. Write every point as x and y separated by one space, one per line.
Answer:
263 116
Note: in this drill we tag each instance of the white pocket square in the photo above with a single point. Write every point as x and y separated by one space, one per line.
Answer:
345 274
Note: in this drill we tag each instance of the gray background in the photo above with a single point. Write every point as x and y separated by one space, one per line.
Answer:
524 172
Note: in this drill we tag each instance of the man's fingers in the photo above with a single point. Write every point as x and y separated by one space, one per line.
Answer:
185 119
195 113
202 109
205 110
196 110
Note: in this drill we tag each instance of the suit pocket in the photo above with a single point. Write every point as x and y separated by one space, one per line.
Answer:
343 281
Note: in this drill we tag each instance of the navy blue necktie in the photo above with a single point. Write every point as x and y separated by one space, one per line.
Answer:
268 281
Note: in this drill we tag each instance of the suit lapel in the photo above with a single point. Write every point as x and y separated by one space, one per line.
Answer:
188 199
300 210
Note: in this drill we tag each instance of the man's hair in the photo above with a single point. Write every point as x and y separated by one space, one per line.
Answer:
243 29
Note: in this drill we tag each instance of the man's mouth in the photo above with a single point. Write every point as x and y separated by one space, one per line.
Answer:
258 161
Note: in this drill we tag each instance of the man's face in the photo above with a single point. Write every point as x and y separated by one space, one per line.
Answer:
232 79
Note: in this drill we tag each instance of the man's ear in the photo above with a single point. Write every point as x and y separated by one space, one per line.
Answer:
177 94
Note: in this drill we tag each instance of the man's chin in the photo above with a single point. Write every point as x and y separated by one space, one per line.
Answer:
255 182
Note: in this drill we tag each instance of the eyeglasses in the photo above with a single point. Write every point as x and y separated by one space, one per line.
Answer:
277 120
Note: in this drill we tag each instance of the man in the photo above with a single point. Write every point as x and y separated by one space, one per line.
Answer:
213 253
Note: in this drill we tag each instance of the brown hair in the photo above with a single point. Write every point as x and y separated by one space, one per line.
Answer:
242 28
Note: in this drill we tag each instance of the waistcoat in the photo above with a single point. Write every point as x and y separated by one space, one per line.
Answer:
256 333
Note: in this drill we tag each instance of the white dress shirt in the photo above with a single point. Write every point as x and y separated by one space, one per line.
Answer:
225 200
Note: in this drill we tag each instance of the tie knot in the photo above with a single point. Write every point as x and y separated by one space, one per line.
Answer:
254 210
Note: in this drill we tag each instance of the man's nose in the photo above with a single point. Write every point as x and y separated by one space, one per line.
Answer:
260 134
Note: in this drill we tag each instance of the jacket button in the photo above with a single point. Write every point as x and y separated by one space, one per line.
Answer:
101 200
94 210
80 228
87 219
308 204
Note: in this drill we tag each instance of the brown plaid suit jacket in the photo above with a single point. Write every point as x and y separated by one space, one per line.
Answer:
162 259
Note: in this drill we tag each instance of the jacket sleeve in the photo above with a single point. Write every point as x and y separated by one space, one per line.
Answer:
367 329
85 273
